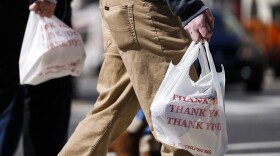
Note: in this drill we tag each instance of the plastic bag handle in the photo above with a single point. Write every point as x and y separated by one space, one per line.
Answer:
218 90
203 62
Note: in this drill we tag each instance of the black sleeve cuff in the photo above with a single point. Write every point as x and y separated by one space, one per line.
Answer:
192 11
32 1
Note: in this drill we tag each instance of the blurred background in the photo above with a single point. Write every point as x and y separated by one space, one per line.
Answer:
246 41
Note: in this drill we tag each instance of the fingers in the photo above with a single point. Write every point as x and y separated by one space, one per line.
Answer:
45 13
195 35
209 24
49 14
43 8
205 33
33 7
201 34
209 18
200 28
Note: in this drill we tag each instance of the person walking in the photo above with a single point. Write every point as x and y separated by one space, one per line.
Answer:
41 112
141 37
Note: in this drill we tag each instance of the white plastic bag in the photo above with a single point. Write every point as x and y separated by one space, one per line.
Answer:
50 49
190 115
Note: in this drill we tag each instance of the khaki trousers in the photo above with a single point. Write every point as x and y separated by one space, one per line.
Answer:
140 39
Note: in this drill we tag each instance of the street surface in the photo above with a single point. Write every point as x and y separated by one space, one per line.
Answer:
253 119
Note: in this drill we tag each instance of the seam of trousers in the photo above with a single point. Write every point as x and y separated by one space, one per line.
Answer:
148 5
106 130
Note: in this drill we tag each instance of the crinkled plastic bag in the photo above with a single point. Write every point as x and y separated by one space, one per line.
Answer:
190 115
50 50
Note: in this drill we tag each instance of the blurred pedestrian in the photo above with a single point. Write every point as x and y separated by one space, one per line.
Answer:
45 111
141 37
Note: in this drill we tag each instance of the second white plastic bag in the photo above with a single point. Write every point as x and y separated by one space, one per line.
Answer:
50 49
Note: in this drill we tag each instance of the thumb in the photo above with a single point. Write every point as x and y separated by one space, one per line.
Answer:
33 7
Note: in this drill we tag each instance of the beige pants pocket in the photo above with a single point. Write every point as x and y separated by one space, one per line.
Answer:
121 24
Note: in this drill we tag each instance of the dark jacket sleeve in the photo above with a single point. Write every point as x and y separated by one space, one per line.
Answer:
186 9
31 1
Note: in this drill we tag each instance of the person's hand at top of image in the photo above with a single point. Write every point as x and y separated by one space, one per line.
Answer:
196 18
45 8
201 27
